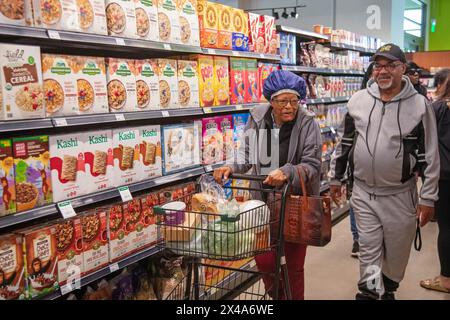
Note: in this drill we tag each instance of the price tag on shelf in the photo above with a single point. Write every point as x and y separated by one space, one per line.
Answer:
207 110
209 168
333 99
236 53
53 34
120 117
167 46
114 267
322 100
66 209
262 55
125 194
60 122
239 107
120 41
165 114
67 288
211 51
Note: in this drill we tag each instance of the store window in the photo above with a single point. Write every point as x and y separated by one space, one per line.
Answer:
414 22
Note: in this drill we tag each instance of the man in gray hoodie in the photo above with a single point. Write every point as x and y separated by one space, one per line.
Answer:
388 137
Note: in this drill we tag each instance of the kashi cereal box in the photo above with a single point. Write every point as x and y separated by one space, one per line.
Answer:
121 18
168 83
32 172
150 151
208 17
147 20
95 240
226 128
221 81
240 30
189 24
169 23
147 84
92 16
126 156
206 80
119 242
212 141
17 12
7 184
271 43
56 14
251 81
12 268
237 80
225 28
188 91
121 78
264 70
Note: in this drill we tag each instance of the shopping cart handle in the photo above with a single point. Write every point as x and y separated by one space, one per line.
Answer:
251 177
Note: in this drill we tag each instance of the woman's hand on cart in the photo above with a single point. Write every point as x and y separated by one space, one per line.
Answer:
222 173
276 179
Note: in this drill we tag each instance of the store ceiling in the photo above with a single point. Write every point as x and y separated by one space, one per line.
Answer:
413 4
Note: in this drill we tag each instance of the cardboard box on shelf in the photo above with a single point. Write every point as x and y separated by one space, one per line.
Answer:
189 24
221 81
225 27
147 20
188 81
271 43
121 78
226 127
12 267
17 12
256 41
92 17
240 30
150 160
237 80
59 15
121 18
206 80
119 242
146 230
251 81
147 84
126 156
168 83
169 23
95 240
7 183
208 16
212 141
264 70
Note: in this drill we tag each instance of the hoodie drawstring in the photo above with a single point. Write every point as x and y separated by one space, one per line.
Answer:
368 126
399 129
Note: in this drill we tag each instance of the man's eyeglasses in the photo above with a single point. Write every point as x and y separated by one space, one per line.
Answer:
389 66
284 103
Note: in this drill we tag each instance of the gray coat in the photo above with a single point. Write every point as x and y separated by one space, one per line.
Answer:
305 149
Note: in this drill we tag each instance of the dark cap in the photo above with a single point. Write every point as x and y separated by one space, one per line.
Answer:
390 51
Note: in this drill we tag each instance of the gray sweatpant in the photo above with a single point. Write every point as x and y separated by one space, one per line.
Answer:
386 227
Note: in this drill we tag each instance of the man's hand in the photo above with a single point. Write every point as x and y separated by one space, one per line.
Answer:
275 179
424 214
222 173
336 194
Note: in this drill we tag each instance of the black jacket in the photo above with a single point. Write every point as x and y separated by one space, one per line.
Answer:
442 110
421 90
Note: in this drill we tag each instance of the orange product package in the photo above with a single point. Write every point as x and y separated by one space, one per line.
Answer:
225 28
264 70
221 81
208 18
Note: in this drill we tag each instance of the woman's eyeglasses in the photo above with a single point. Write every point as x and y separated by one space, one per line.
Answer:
284 103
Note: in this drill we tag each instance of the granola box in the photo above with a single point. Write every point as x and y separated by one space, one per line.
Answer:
237 80
126 156
225 28
32 172
121 18
7 184
60 85
169 23
148 234
133 217
240 30
206 80
251 82
17 12
188 21
92 17
119 242
256 40
168 83
150 151
92 94
69 247
99 160
68 166
188 90
271 41
121 80
221 81
95 240
56 14
21 95
264 70
12 268
147 84
41 267
147 27
226 128
208 17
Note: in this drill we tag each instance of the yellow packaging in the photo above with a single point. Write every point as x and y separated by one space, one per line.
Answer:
225 28
239 22
206 80
208 18
221 81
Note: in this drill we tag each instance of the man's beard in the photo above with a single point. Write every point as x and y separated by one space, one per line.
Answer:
385 85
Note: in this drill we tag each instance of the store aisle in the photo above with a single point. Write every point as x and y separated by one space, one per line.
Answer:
331 274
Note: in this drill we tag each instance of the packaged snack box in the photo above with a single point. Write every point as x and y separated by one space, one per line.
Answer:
271 43
56 14
239 123
136 234
12 268
240 30
225 28
288 50
237 80
226 127
251 81
68 168
150 152
169 23
91 85
148 234
121 18
188 91
126 156
95 240
147 84
60 85
256 41
206 80
188 21
119 242
21 82
121 80
168 83
69 246
221 81
208 18
147 20
264 70
92 17
17 12
32 172
7 184
99 160
212 141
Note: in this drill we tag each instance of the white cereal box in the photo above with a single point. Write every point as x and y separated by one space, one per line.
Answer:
147 27
188 87
120 75
169 24
121 18
17 12
56 14
92 17
150 151
126 156
168 83
189 26
147 84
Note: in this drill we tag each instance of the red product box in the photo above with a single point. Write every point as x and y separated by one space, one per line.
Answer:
256 33
271 40
119 243
237 80
264 70
251 81
95 240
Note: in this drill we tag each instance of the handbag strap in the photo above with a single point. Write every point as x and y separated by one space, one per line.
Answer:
418 238
304 195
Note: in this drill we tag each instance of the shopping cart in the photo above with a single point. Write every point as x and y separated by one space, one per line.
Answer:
212 241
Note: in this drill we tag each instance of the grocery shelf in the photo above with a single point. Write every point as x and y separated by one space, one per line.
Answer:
23 125
353 48
328 100
242 54
303 34
323 71
231 108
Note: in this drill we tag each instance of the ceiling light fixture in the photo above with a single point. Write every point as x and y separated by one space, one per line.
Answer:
285 14
294 14
275 14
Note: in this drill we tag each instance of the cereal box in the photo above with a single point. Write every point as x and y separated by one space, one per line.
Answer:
169 23
208 18
150 151
271 43
237 80
99 161
226 128
147 20
288 49
16 12
147 84
121 18
239 123
92 17
41 267
56 14
256 40
148 234
240 30
251 81
95 240
126 156
91 85
121 80
68 167
69 246
133 217
188 84
206 80
12 280
189 28
21 82
212 138
7 185
264 70
60 85
221 81
32 172
168 83
225 28
119 242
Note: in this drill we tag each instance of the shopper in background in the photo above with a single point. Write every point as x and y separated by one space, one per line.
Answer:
300 144
442 110
413 72
388 126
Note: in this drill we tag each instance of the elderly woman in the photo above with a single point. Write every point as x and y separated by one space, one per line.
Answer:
299 145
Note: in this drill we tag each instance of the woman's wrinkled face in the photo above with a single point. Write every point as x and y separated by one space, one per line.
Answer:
285 107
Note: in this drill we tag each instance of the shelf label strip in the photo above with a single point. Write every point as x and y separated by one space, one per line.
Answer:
66 209
125 194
